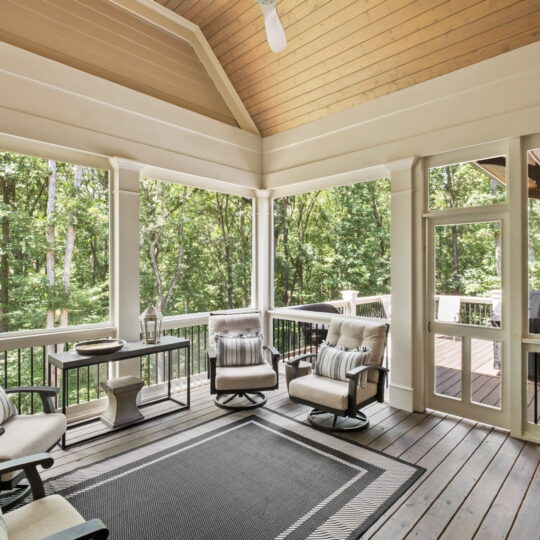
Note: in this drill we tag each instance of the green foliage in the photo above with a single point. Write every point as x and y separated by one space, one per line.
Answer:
332 240
25 293
203 238
463 185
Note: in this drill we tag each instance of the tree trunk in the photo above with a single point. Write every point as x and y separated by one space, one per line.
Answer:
50 236
243 255
70 248
7 192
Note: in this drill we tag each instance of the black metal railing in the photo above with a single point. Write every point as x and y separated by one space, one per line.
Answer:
373 309
291 338
28 366
153 366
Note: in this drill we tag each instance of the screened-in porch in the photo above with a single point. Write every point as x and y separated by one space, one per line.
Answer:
314 253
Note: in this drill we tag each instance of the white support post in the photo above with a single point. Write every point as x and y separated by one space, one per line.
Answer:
264 259
126 176
402 391
350 297
515 300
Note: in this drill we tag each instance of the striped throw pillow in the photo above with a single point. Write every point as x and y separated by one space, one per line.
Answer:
7 409
335 362
239 351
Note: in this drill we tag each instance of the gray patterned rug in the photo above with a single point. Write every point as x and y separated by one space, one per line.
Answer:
250 475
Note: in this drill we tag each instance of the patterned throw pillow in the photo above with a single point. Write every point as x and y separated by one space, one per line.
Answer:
7 409
239 351
335 362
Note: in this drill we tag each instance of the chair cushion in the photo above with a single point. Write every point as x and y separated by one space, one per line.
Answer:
239 351
41 518
245 377
7 409
234 324
335 362
328 392
30 434
351 333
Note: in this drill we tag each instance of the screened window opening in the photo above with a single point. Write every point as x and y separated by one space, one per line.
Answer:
195 248
334 240
54 260
462 185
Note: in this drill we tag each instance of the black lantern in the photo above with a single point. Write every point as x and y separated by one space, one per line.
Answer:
150 321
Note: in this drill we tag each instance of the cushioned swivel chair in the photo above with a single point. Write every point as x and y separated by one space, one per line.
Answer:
337 403
238 361
46 517
24 434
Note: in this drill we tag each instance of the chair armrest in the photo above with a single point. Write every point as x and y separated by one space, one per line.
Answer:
212 355
29 465
93 529
46 393
295 363
273 351
296 360
357 371
275 355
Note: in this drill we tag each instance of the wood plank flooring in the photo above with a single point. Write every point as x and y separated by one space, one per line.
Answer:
480 482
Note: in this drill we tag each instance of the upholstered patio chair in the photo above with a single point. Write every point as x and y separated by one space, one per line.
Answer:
46 517
240 366
23 435
338 394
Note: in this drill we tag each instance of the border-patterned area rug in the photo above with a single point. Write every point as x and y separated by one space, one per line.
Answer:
250 475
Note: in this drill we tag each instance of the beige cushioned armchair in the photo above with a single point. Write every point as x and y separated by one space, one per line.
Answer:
46 517
23 435
240 386
337 403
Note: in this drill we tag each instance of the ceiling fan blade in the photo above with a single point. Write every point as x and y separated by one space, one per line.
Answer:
274 29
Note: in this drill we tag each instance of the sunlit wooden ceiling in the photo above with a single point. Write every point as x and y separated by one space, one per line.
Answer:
102 39
345 52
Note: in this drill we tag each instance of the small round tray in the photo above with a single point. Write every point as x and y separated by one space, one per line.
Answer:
99 346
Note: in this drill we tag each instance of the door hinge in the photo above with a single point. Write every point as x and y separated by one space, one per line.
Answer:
429 327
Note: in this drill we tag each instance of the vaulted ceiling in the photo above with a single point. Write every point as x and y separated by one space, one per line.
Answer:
345 52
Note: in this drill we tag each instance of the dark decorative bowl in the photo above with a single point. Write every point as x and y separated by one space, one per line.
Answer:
99 346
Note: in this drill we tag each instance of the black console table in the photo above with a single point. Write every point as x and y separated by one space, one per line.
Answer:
67 361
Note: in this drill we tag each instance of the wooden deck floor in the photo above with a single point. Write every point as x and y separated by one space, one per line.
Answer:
480 482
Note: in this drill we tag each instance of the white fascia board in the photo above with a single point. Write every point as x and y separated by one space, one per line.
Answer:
45 101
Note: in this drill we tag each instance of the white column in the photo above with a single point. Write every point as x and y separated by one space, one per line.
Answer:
350 297
125 248
402 390
515 299
264 274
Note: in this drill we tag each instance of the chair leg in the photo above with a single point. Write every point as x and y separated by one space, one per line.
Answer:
331 422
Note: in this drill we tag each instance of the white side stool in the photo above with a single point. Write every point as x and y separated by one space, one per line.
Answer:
122 409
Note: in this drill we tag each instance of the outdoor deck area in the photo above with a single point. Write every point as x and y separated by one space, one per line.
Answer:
479 483
485 377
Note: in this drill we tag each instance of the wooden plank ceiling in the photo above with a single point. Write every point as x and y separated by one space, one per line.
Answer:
102 39
345 52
